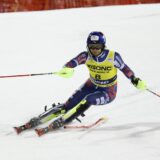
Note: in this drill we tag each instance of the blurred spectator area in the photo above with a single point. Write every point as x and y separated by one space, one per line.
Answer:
35 5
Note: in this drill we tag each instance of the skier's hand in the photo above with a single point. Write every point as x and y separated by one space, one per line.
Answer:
138 83
65 72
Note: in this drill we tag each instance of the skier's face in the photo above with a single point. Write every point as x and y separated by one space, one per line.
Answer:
96 52
96 49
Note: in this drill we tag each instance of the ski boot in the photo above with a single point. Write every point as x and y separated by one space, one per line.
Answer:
58 123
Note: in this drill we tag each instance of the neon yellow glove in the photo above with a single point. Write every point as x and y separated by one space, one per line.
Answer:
65 72
138 83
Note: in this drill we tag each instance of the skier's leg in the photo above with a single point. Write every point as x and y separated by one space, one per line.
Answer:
49 114
101 96
79 95
72 105
76 111
70 115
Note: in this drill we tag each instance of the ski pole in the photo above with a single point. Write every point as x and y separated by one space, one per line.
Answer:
27 75
153 93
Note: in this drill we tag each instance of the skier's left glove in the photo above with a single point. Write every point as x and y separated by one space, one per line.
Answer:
138 83
65 72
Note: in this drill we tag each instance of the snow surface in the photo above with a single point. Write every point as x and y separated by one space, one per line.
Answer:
42 42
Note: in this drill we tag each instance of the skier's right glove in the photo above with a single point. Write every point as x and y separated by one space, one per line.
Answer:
138 83
65 72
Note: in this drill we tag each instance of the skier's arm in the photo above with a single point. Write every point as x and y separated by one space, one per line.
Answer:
78 60
67 71
119 63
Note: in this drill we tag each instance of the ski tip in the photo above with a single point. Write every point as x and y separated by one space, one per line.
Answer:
39 132
17 130
104 118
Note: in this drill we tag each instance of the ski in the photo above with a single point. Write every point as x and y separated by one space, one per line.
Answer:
30 125
22 128
19 129
99 121
42 131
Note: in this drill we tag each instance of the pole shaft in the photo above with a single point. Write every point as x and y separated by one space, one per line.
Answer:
153 93
26 75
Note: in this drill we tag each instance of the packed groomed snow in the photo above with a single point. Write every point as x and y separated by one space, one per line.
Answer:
37 42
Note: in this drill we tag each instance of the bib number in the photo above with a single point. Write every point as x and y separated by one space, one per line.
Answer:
97 76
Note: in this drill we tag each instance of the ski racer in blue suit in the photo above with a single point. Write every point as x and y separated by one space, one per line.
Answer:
101 86
99 89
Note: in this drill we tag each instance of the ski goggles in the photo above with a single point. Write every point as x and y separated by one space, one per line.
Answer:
95 46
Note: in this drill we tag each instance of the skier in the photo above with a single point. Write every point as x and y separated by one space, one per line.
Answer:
99 89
